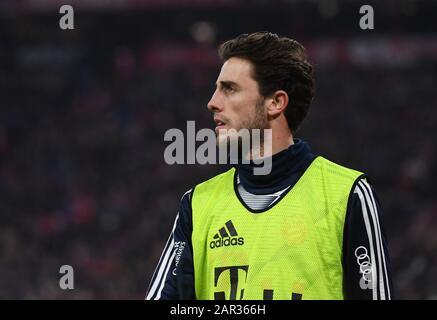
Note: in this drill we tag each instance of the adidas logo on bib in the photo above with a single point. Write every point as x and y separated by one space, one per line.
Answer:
226 236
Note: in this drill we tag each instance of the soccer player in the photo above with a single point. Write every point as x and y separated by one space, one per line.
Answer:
310 229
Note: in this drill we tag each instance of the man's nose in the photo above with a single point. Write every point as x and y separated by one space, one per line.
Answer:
214 104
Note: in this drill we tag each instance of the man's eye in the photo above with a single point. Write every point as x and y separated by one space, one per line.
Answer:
229 89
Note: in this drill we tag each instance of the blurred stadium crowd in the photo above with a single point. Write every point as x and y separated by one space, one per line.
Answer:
83 115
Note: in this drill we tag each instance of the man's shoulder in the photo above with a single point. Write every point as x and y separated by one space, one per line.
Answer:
214 181
337 168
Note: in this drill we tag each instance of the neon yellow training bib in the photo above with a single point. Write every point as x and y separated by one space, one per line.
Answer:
291 251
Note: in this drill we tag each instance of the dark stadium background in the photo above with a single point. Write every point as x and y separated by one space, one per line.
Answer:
83 114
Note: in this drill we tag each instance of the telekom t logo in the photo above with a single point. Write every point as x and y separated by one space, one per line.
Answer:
233 273
234 281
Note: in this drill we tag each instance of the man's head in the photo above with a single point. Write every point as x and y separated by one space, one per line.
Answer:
265 82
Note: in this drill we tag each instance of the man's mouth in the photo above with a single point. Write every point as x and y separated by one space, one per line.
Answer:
220 124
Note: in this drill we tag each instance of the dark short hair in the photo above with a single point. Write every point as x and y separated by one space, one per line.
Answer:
279 63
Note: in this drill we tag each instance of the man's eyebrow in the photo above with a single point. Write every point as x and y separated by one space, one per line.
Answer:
227 83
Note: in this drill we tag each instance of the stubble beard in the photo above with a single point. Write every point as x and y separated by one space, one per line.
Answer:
256 122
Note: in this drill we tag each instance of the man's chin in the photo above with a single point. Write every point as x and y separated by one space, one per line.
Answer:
222 140
224 134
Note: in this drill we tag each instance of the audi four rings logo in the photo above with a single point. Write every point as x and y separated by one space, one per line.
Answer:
363 261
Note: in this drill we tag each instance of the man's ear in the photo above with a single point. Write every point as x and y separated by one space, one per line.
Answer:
277 103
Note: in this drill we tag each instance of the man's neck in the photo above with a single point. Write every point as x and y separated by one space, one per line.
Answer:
280 143
286 165
271 146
